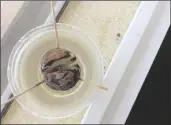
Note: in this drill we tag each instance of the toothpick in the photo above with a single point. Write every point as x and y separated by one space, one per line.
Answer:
55 26
14 97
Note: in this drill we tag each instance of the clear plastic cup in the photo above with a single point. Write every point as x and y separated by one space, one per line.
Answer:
24 71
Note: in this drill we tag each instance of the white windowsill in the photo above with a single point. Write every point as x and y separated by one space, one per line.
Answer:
130 65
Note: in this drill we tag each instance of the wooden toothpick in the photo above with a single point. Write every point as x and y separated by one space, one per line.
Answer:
54 21
14 97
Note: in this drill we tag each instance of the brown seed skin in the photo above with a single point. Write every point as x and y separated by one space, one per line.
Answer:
59 71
